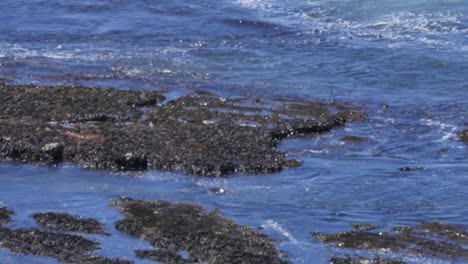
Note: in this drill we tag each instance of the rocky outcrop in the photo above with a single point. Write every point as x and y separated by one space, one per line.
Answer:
201 133
207 237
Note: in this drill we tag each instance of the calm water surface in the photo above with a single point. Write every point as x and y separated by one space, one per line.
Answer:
406 62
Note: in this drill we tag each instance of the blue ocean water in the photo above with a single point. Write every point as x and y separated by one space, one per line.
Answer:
406 62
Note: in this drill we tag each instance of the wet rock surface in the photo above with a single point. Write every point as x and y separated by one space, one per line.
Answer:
463 136
5 215
360 260
66 248
68 223
162 256
363 226
200 133
73 104
412 169
428 239
173 228
353 139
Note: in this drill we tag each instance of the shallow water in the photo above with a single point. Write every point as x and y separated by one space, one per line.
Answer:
406 62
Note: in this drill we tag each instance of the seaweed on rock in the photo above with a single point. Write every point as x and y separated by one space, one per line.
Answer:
64 247
200 133
430 239
206 236
5 215
68 223
463 136
361 260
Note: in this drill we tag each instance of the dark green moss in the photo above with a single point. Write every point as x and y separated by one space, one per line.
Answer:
68 223
429 239
207 237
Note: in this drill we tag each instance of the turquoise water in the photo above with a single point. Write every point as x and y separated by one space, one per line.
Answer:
406 62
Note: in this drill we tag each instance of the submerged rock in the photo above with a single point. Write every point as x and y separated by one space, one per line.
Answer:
5 215
201 133
360 260
429 239
219 191
68 223
162 256
206 237
412 168
67 248
363 226
353 139
64 247
463 136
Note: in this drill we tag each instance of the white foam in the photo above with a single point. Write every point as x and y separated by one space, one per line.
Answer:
271 224
317 151
397 28
448 130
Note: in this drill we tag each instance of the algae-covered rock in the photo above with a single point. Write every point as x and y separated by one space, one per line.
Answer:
68 223
73 104
430 239
67 248
363 226
361 260
206 236
64 247
162 256
5 215
463 136
353 139
201 133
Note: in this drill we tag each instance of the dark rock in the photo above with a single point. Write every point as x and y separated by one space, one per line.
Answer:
463 136
161 256
429 239
360 260
68 223
412 169
200 133
363 226
5 215
64 247
101 260
207 237
353 139
73 104
220 191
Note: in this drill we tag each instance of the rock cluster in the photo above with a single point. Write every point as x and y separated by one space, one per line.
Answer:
206 236
172 228
430 239
68 223
201 133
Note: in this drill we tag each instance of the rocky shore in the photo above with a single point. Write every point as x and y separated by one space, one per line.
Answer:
201 133
172 228
431 239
